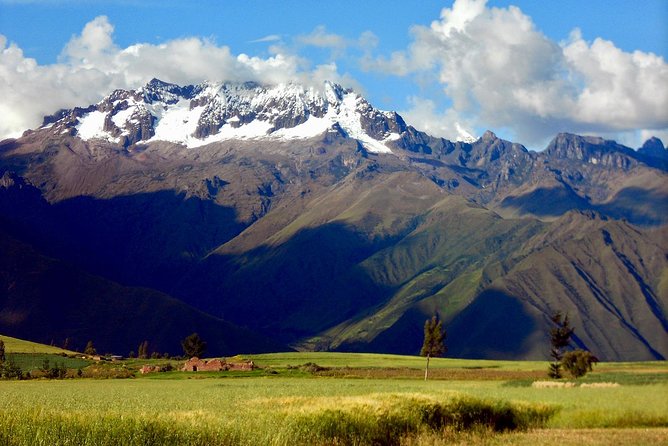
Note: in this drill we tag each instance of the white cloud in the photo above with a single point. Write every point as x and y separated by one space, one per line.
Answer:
320 38
492 63
269 38
92 65
423 112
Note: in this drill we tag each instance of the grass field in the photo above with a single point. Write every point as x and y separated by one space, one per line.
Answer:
351 399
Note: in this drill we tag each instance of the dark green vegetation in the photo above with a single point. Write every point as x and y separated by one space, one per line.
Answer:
579 362
560 338
322 245
434 341
193 345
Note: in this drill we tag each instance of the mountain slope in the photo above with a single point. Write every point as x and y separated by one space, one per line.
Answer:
606 274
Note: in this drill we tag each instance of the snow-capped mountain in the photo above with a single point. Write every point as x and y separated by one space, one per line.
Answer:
284 223
211 112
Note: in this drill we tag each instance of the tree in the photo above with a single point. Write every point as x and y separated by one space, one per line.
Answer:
142 350
66 343
578 362
193 346
9 370
560 337
434 341
2 351
90 349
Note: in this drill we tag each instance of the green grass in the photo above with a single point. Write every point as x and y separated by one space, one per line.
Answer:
33 361
357 360
281 405
14 345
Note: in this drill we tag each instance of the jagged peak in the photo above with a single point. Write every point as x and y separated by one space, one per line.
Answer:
488 136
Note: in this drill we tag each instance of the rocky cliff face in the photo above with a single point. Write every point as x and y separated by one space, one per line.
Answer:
592 150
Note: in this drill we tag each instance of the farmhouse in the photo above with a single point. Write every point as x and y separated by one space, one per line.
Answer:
215 365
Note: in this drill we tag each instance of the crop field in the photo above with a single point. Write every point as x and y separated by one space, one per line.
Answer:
334 399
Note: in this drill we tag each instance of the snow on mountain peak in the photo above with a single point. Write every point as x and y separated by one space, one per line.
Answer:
463 135
211 112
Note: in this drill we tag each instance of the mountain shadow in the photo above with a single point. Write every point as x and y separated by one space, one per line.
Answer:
301 287
48 300
495 325
547 202
146 239
636 205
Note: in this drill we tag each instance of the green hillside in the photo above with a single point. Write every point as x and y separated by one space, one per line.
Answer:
15 345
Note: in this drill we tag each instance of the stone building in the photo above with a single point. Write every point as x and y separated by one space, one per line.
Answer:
215 365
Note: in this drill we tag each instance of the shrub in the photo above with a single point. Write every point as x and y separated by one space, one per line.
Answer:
312 367
578 362
388 420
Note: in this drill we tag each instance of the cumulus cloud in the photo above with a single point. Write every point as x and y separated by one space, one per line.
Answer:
91 65
492 63
425 114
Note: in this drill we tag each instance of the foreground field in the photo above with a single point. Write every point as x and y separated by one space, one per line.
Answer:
283 404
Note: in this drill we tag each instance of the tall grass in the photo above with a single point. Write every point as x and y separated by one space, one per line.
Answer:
388 419
376 419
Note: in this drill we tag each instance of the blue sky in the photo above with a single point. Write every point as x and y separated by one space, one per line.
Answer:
435 75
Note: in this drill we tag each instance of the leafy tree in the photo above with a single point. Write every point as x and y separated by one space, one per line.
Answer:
560 337
434 341
578 362
90 349
2 351
193 345
142 350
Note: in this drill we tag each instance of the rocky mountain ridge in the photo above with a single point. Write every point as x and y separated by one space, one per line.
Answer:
197 115
314 219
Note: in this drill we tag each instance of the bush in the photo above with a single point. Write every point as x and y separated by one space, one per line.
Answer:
312 367
9 370
388 420
579 362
